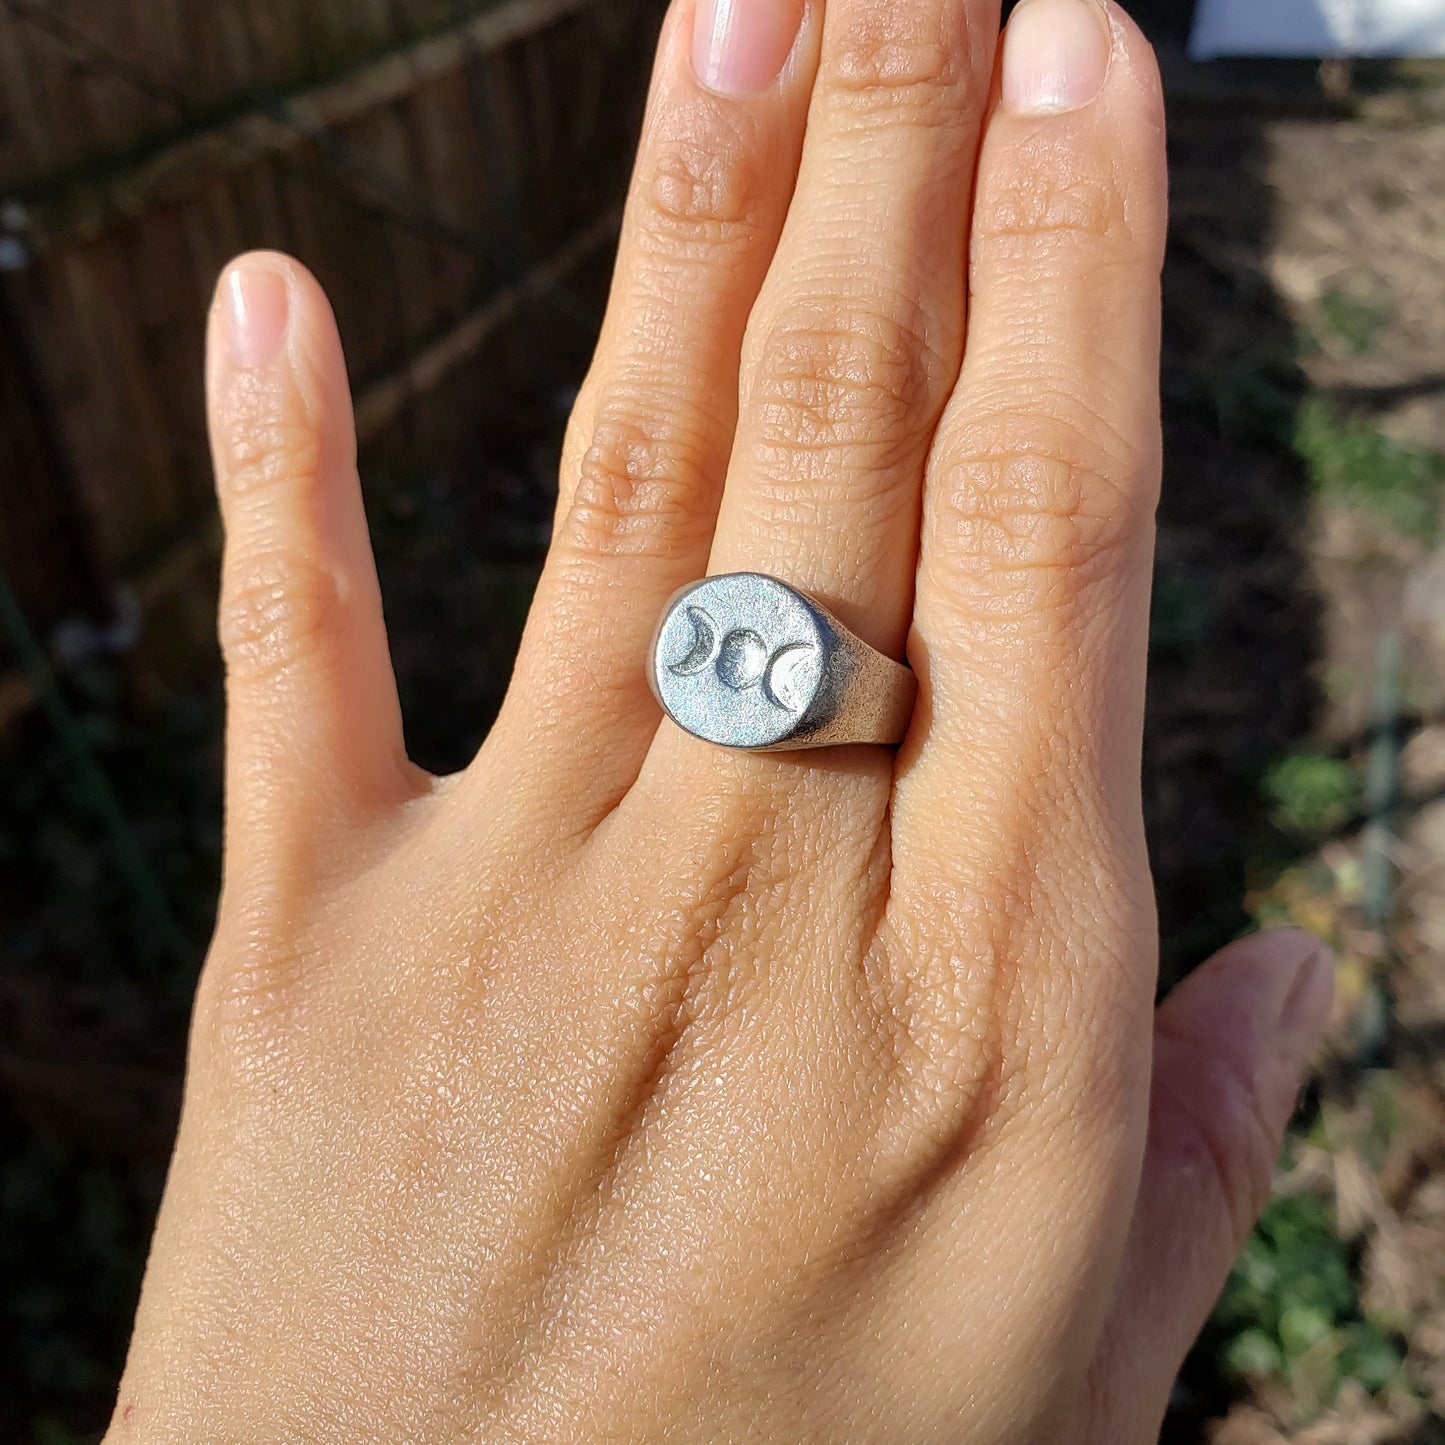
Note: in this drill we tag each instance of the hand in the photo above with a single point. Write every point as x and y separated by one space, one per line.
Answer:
627 1089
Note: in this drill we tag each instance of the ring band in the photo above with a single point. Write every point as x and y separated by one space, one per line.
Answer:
746 661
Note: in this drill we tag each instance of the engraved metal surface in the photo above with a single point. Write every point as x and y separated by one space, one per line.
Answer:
746 661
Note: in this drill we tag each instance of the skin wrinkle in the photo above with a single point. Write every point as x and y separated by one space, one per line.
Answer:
1043 492
276 613
1076 417
1043 215
266 433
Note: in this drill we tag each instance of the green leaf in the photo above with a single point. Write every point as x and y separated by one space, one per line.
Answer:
1302 1326
1311 794
1356 464
1254 1355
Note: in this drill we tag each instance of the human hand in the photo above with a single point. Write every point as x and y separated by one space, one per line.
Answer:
623 1088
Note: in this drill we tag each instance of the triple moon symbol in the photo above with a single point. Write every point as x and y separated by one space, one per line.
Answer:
741 660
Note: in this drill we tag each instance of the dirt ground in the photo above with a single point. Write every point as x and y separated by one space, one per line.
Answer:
1295 769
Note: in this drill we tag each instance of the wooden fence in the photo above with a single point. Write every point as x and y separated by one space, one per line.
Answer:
447 167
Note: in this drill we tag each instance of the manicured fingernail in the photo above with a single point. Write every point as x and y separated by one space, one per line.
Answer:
739 47
1304 1007
258 308
1055 55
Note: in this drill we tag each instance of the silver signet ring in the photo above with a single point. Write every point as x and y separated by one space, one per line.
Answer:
746 661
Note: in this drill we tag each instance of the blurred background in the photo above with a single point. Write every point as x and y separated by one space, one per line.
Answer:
452 169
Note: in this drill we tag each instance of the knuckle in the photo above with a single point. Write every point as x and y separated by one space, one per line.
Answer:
1035 204
251 1001
262 444
638 479
277 611
249 995
705 191
886 61
1028 494
845 376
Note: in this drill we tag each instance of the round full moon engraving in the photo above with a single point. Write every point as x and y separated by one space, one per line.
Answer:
742 659
739 660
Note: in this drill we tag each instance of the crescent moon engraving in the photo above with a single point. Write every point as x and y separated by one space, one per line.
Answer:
782 682
704 644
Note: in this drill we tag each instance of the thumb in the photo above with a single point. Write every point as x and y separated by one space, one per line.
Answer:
1230 1047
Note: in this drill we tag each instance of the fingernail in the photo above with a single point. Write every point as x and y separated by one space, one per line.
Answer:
1304 1007
258 308
1055 55
739 47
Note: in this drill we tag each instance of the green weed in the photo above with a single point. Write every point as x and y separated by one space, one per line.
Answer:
1312 795
1291 1310
1352 319
1354 463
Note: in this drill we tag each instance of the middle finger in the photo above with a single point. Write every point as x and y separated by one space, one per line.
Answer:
857 336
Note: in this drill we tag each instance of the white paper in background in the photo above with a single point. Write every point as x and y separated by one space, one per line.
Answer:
1317 28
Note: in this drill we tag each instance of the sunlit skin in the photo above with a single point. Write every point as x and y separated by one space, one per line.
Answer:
627 1089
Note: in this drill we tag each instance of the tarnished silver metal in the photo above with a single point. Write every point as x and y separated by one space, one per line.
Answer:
746 661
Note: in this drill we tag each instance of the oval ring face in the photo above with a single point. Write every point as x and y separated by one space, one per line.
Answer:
738 660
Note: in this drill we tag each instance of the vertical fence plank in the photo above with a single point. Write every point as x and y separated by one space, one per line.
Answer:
27 149
264 223
214 39
171 304
49 82
417 255
113 77
438 124
506 165
168 58
106 275
356 276
278 33
345 30
293 197
99 426
540 121
37 552
243 65
376 24
402 288
585 119
417 17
